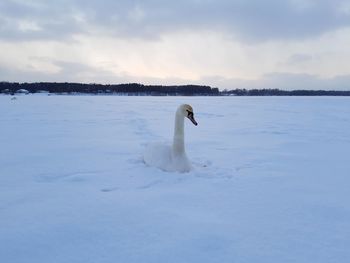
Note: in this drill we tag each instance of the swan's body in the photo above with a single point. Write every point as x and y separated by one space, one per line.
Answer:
172 157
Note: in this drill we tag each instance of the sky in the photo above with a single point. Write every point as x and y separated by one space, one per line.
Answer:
286 44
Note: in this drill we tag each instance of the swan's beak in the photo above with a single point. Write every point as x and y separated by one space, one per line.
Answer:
192 119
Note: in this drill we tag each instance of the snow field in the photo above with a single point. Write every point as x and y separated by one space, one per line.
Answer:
271 180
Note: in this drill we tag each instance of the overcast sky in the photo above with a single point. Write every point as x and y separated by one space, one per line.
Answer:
287 44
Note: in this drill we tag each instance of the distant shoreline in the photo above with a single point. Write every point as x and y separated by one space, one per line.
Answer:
136 89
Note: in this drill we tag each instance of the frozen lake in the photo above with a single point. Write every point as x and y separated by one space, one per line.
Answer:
270 182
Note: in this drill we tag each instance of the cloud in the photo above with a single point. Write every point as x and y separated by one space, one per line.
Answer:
63 72
37 20
252 21
176 59
270 43
78 72
283 81
298 58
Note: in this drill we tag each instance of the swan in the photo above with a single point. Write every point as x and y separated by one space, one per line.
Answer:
172 158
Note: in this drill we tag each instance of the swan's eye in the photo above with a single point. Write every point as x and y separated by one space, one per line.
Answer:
189 113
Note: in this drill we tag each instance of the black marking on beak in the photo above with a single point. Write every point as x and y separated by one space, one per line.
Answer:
191 117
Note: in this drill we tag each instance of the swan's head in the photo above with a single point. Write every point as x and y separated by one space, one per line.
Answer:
187 111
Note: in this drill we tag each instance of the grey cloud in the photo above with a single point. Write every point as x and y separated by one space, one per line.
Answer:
284 81
249 20
77 72
246 20
298 58
68 72
53 20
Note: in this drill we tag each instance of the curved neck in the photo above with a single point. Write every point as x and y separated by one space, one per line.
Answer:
179 136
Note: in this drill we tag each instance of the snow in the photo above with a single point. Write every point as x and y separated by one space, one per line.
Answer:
22 91
271 180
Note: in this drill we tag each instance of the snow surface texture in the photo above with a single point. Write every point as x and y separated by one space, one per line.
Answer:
270 181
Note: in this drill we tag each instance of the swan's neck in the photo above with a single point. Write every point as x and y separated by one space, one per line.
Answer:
179 136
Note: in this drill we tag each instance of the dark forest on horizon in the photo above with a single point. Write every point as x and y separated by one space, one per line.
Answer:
153 90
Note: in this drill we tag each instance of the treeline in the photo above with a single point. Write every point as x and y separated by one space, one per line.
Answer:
156 90
278 92
130 88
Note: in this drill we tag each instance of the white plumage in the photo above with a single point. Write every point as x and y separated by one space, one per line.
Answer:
172 158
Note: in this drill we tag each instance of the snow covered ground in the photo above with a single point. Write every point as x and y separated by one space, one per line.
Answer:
271 180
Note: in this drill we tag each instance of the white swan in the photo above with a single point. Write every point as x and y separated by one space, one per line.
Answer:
172 158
